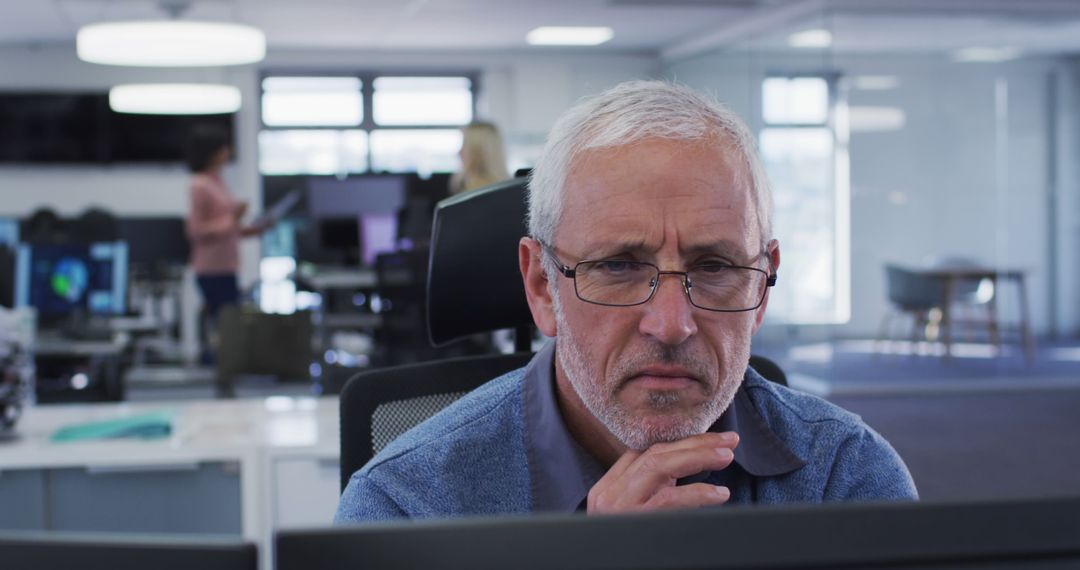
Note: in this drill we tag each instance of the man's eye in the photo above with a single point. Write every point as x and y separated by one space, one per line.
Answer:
712 267
617 266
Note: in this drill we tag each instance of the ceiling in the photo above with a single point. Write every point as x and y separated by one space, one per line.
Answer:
669 28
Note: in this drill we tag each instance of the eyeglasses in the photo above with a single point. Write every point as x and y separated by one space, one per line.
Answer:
720 287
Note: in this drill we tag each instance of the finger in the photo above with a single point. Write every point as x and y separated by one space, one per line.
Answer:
655 471
611 484
625 461
688 497
728 439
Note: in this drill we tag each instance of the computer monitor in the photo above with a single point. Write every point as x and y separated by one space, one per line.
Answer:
340 238
339 198
9 232
1017 534
380 235
63 279
155 241
7 276
55 551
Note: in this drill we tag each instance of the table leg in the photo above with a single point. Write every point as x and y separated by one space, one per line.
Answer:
1025 323
946 317
992 325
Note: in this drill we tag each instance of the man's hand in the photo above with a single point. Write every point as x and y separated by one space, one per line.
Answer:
645 481
241 209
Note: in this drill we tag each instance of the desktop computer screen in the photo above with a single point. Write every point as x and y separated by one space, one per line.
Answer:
9 232
62 279
338 198
155 240
380 235
1030 534
85 550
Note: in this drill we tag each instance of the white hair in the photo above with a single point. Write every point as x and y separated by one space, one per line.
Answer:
628 113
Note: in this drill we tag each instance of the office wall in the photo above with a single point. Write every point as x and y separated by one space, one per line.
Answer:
971 172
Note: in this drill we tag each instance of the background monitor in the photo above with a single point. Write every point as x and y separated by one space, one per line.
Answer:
155 240
63 279
380 235
48 551
7 276
1038 534
339 239
331 197
9 232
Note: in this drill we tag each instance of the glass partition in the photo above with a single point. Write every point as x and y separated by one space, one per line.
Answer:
919 163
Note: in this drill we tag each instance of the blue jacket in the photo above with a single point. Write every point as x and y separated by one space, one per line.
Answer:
471 458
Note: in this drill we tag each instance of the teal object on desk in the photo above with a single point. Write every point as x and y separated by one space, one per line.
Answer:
145 426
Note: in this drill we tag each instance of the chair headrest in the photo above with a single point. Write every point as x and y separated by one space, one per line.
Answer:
474 284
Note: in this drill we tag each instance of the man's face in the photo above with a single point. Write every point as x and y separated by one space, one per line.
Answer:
664 370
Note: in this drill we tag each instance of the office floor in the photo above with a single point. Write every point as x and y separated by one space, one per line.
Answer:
981 444
978 425
863 366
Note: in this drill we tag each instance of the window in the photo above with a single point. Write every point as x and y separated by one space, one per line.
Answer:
414 150
414 101
365 122
312 102
806 159
326 151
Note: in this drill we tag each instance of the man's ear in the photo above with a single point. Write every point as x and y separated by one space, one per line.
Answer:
773 250
530 259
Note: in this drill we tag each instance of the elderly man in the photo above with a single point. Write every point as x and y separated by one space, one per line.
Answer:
650 263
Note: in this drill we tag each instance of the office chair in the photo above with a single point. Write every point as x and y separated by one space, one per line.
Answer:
255 343
474 286
910 293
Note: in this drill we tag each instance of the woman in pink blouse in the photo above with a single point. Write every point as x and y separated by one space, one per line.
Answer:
214 223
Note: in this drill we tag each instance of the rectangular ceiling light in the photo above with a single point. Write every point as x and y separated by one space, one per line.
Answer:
569 36
811 39
985 54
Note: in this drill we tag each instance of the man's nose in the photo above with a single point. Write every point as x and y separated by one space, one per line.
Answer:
669 316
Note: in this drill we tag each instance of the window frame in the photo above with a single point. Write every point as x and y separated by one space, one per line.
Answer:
835 124
367 97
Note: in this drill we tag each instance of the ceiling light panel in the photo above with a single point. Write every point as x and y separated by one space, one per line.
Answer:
174 99
569 36
170 43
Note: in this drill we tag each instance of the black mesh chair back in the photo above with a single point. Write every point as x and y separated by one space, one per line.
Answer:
474 284
380 405
768 369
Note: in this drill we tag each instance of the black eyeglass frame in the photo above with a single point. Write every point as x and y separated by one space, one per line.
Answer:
687 283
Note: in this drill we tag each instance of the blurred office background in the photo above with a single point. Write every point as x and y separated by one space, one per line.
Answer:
923 156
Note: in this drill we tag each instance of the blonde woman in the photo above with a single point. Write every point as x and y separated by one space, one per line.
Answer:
483 160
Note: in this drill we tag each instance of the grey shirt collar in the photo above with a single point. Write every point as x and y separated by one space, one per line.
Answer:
562 472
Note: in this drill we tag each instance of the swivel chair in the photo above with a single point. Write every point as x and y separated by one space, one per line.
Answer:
474 286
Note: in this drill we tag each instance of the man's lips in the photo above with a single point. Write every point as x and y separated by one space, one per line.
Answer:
663 378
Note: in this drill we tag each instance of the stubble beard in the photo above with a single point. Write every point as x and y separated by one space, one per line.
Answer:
632 430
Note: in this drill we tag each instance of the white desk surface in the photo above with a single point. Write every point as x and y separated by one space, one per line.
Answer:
343 278
202 430
253 433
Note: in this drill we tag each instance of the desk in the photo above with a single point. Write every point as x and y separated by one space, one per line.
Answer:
952 276
326 280
98 359
242 467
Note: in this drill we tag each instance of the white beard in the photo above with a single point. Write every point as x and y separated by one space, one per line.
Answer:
633 431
